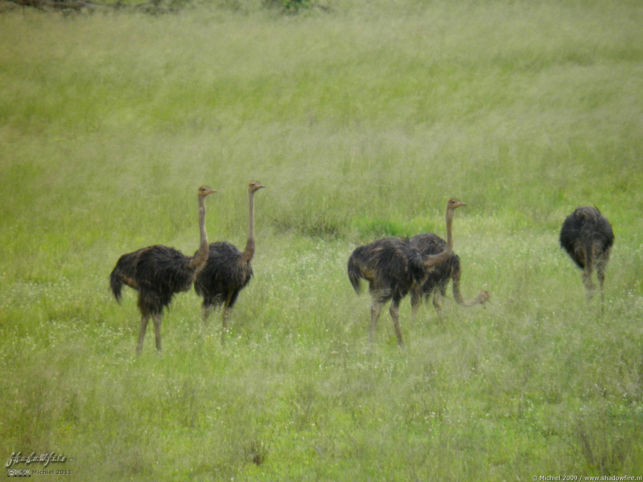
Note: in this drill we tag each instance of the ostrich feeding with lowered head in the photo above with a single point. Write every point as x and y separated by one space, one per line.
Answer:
392 267
437 280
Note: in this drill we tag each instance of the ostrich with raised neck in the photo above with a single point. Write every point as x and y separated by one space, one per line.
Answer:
228 270
438 278
158 272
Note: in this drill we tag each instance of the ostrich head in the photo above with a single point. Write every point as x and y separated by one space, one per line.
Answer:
454 203
254 186
205 191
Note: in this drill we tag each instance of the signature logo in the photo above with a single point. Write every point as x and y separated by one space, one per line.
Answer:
44 458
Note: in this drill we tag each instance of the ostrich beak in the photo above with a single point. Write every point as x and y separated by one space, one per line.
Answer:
459 204
209 191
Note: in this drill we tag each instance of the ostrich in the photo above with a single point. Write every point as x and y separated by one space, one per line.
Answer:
227 271
157 273
437 280
392 267
587 237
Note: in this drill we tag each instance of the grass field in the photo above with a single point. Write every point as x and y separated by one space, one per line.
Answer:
362 120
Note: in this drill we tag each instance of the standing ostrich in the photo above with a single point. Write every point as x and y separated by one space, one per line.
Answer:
392 267
438 278
157 273
227 271
587 237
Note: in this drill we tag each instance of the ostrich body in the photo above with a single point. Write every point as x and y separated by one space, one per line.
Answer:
157 273
587 237
437 280
392 268
227 270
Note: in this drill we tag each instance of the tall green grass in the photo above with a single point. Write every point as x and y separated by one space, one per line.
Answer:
362 120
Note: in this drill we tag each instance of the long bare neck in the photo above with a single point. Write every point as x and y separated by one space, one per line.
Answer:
200 258
433 259
449 217
249 251
481 298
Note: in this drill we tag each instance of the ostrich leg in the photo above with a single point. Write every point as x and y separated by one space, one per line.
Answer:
600 273
376 308
205 313
141 333
436 300
416 300
157 329
601 263
587 270
225 316
394 311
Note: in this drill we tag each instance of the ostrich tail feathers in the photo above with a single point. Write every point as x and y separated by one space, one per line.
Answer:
116 284
354 274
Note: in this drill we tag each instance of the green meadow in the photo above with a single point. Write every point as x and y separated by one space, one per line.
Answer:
361 119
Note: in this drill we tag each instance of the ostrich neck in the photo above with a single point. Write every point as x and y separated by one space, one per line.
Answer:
449 228
249 251
201 256
457 295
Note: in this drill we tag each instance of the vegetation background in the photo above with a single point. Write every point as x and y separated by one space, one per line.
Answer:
362 118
